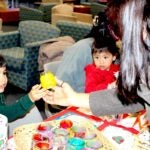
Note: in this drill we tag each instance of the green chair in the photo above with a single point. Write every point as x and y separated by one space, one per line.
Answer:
42 13
97 7
21 48
76 30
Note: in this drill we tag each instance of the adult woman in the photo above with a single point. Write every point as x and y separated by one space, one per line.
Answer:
133 26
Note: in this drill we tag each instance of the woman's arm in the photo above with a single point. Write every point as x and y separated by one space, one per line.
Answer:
106 102
103 102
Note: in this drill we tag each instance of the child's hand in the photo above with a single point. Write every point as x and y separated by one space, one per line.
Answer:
112 85
37 93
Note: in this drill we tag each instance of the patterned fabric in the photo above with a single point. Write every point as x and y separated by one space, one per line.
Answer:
32 31
27 13
76 30
22 61
97 7
14 57
43 13
46 9
9 39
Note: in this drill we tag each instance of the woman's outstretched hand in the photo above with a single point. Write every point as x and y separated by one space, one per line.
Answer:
62 94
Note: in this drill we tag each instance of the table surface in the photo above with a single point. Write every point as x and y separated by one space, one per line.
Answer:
84 113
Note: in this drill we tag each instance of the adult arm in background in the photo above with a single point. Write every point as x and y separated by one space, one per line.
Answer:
75 58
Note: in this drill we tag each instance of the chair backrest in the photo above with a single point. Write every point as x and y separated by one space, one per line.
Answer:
27 13
76 30
46 8
96 8
32 31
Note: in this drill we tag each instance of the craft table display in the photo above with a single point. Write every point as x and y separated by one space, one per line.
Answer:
106 134
9 15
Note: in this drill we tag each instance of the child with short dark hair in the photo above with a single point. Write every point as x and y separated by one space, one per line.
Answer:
102 73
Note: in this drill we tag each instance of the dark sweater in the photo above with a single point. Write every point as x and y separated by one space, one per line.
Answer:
17 109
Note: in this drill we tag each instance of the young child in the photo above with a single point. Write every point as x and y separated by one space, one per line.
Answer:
102 73
21 106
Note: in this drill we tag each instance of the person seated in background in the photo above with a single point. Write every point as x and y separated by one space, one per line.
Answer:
101 74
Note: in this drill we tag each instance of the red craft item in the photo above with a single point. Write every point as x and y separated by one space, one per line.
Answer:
37 137
43 145
66 124
42 127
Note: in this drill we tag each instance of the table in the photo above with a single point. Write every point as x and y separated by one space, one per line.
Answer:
9 15
130 142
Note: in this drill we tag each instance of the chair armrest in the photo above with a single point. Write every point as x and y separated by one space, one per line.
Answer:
57 17
27 13
38 43
87 18
9 39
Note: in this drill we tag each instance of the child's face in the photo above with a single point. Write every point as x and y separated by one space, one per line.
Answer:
3 79
103 60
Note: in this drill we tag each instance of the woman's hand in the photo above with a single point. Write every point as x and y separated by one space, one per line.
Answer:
62 94
37 92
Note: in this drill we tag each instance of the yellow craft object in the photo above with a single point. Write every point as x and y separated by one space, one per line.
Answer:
47 80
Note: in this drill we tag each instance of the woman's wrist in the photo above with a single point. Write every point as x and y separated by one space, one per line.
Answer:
80 99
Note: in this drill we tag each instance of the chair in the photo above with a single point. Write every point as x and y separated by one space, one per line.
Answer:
65 12
20 49
42 13
97 7
76 30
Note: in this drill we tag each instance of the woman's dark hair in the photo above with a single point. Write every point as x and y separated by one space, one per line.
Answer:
100 26
131 17
2 61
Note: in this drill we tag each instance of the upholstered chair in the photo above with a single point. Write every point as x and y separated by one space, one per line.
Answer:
76 30
42 13
20 49
65 12
97 7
